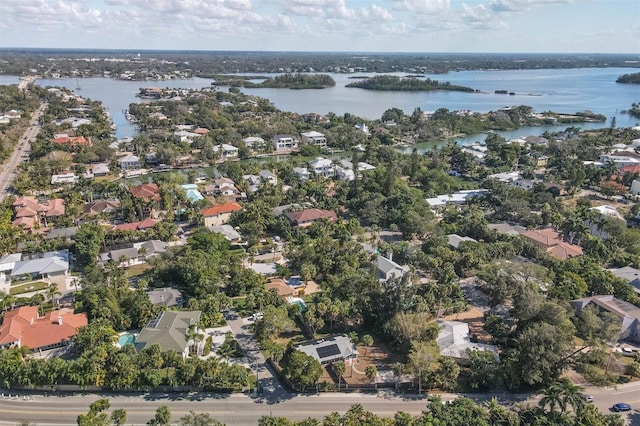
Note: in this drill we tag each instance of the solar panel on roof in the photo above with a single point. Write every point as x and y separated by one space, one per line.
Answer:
328 351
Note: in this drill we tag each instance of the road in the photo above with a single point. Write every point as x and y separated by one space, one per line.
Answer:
8 172
240 409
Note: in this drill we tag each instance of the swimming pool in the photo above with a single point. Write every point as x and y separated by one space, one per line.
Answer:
126 339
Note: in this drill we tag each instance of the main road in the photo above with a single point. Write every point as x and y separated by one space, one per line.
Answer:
241 409
8 172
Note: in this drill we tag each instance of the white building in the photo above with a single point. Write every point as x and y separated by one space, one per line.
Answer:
301 173
254 142
322 167
314 138
227 151
284 142
64 178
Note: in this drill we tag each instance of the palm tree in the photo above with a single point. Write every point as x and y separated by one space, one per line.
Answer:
552 396
398 370
339 367
371 372
572 395
52 292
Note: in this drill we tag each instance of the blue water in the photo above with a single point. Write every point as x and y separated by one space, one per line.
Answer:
565 91
126 338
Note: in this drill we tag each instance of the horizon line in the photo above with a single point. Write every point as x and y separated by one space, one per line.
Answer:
133 50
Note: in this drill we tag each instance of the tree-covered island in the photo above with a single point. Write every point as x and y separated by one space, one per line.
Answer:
633 78
406 84
295 81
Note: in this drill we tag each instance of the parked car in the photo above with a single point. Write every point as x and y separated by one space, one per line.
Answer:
621 406
588 398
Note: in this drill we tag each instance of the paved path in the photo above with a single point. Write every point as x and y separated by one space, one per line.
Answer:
253 358
24 146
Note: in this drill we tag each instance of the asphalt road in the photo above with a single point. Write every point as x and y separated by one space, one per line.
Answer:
7 174
240 409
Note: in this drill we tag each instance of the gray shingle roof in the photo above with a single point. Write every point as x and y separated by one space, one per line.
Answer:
170 331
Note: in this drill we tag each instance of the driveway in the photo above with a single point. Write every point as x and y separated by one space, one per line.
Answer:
253 358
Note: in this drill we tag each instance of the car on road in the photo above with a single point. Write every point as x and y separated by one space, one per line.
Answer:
621 406
588 398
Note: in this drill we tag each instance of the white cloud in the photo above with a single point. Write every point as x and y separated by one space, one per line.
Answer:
425 7
520 5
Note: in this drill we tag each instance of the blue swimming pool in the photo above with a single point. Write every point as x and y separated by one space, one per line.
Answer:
126 339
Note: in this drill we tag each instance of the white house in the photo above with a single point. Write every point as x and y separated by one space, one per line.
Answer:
635 187
129 162
345 174
254 142
454 340
322 167
284 142
227 151
63 178
267 176
314 138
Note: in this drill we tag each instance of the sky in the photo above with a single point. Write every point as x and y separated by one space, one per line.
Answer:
535 26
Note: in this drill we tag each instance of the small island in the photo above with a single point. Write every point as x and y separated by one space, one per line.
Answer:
296 81
406 84
633 78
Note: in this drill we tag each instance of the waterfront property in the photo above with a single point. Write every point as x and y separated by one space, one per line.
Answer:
284 142
314 138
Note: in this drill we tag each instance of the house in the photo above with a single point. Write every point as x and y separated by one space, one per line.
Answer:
308 217
635 187
267 176
330 348
314 138
606 213
550 241
226 151
146 192
301 173
228 232
129 162
280 285
222 186
322 167
191 190
136 254
284 142
219 214
64 178
101 207
628 314
255 143
170 331
166 296
455 240
141 225
453 341
23 327
630 275
100 169
71 140
44 266
62 234
505 228
388 269
344 174
457 198
30 213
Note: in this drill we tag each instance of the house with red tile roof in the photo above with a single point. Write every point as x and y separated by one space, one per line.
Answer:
307 217
136 226
71 140
146 192
551 242
30 213
23 327
220 214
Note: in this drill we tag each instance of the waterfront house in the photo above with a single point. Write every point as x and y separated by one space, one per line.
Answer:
255 143
222 187
100 169
226 151
284 142
129 162
322 167
314 138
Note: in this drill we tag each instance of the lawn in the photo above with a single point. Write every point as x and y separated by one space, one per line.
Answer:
137 270
28 287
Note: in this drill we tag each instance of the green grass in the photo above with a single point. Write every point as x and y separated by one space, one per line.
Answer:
28 287
136 270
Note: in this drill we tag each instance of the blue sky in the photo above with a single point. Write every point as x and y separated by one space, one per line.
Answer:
571 26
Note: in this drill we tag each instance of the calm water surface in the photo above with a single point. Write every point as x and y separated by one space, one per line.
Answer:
565 91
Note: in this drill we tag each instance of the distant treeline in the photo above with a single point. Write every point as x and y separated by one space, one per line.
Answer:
286 81
633 78
406 84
